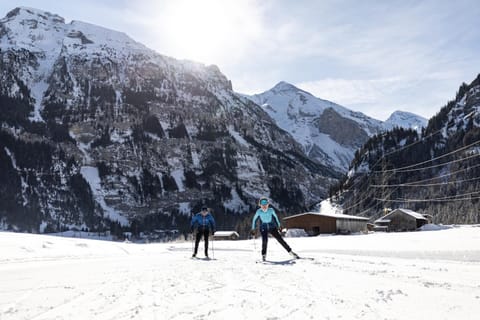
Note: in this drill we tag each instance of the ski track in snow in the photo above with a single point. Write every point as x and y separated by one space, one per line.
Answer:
61 278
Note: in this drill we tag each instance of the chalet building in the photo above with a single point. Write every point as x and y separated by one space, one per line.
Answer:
402 220
226 235
315 223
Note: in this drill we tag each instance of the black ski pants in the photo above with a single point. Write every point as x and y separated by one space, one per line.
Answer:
267 228
205 233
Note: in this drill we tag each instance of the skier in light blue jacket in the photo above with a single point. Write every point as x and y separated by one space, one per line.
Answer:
269 223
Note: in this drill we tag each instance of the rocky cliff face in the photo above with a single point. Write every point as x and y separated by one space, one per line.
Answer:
99 130
342 130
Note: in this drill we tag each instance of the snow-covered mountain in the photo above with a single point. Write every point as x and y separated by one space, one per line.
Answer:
97 129
406 120
329 133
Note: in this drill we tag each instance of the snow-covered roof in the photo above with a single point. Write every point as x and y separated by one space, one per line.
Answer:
225 233
414 214
329 214
381 220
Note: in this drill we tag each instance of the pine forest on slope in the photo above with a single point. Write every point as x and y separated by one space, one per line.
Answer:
436 172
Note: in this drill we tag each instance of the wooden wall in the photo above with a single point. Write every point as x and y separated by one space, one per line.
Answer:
351 225
400 221
313 224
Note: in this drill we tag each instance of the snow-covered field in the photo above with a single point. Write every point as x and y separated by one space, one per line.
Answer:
419 275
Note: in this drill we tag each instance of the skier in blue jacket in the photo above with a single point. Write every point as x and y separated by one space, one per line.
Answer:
269 224
202 224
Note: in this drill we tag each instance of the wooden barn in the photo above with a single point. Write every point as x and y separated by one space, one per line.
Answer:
315 223
402 220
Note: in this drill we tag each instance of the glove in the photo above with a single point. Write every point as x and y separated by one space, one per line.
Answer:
252 232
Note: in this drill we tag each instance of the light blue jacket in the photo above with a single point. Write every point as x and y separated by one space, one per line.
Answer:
265 217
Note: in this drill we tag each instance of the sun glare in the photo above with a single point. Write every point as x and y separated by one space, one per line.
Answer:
209 31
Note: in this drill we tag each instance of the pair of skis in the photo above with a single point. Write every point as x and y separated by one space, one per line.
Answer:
284 262
204 259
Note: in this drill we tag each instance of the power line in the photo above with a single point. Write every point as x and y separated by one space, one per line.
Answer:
375 205
444 175
369 208
411 144
441 199
385 199
430 200
455 197
405 169
394 171
423 185
367 181
393 152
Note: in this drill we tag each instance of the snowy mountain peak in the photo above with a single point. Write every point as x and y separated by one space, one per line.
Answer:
27 28
49 37
31 29
98 38
24 13
329 133
403 119
285 87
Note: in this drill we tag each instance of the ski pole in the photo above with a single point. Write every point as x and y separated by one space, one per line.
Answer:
213 249
192 242
193 239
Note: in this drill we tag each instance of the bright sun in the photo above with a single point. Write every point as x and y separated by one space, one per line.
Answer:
209 31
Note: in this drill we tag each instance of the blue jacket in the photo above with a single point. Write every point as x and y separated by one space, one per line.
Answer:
203 222
265 217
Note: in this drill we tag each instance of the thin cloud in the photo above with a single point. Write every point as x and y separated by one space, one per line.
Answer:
349 92
357 93
379 98
372 56
409 56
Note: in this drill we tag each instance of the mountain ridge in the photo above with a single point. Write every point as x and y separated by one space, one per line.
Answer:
129 138
330 133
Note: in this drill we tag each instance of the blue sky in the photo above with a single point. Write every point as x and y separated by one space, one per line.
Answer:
370 56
